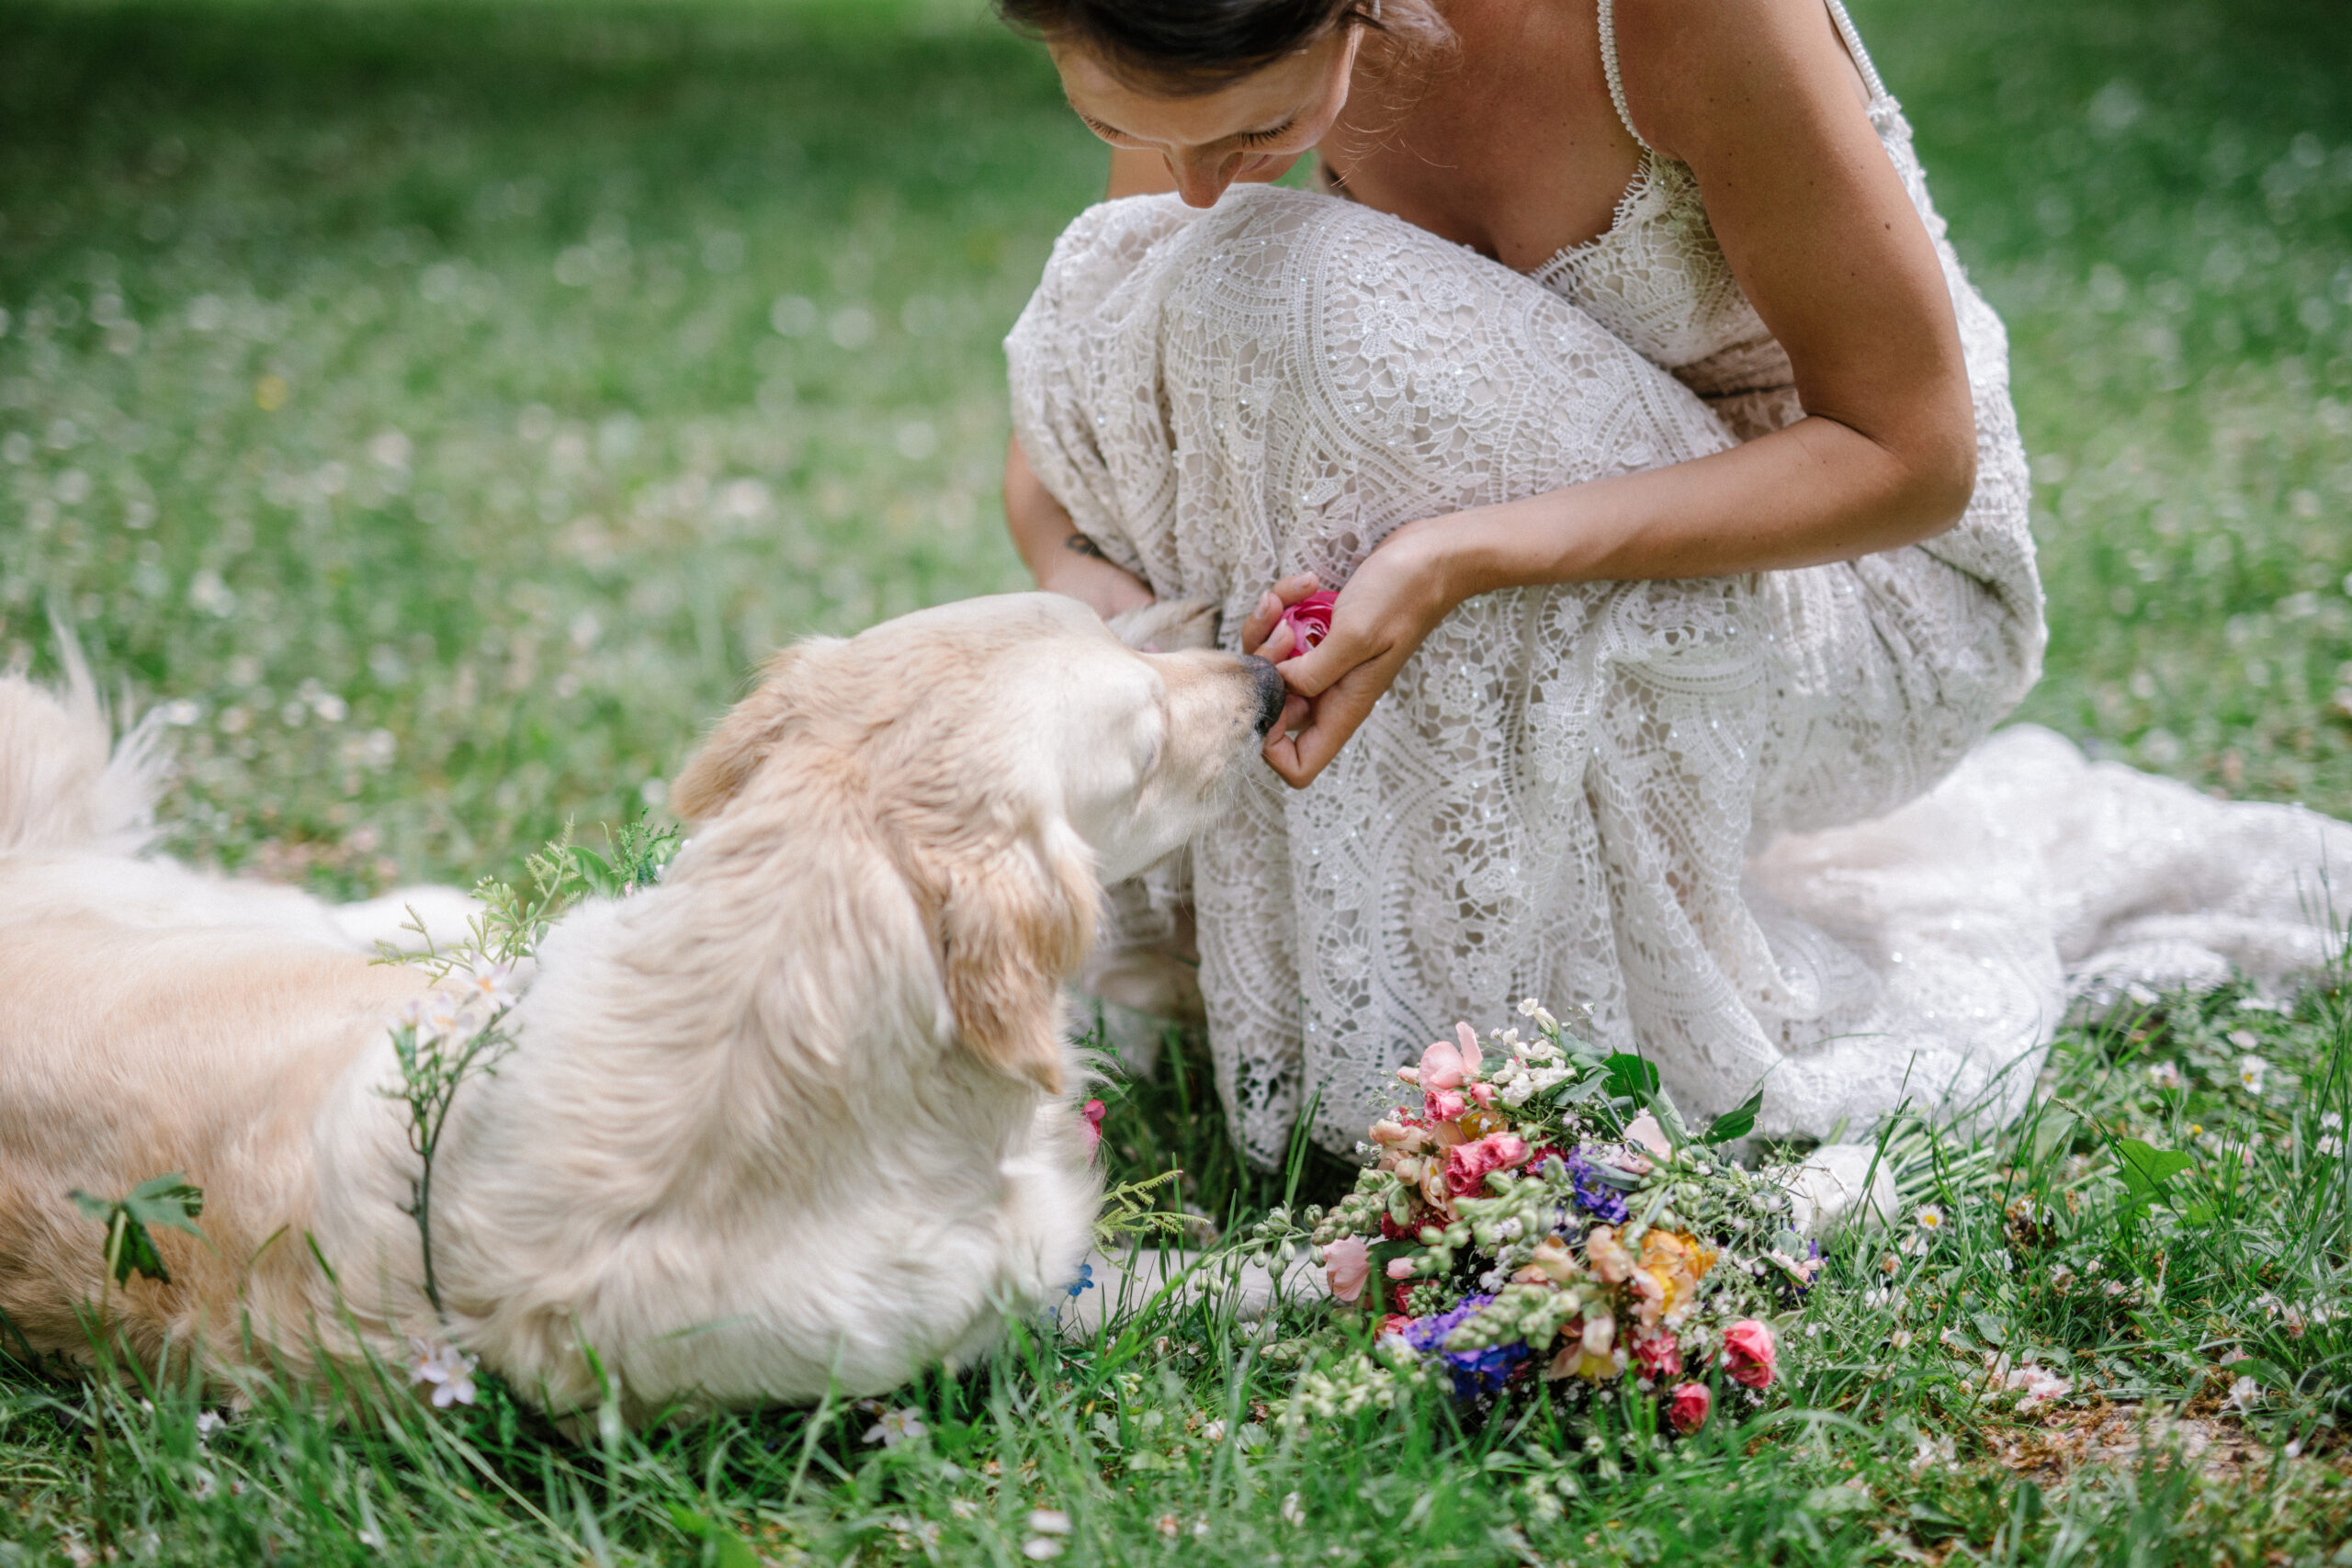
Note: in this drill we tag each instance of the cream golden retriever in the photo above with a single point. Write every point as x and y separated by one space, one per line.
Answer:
790 1121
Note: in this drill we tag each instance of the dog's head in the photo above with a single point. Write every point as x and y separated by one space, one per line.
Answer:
1009 754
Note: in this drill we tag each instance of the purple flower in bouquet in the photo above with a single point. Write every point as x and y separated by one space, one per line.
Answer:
1594 1195
1475 1371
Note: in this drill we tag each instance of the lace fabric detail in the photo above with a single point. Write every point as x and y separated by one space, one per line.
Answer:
1720 816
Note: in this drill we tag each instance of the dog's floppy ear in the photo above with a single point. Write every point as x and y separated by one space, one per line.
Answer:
1013 924
741 741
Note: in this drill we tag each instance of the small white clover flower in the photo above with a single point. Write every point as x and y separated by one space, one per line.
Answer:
2250 1071
896 1426
446 1370
2244 1394
2164 1075
2039 1384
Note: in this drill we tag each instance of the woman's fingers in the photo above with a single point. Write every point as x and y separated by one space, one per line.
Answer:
1299 752
1278 647
1268 611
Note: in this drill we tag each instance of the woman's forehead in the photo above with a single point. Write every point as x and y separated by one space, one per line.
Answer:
1263 100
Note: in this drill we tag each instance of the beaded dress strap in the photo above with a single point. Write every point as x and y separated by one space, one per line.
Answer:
1616 77
1853 40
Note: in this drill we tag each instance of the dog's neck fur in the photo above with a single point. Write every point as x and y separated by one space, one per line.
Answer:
685 1033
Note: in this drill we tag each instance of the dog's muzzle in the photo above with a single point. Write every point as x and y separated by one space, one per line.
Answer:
1272 693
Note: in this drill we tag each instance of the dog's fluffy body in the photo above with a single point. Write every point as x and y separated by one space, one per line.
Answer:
788 1122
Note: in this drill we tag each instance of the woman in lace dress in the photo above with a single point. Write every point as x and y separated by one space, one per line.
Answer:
1622 380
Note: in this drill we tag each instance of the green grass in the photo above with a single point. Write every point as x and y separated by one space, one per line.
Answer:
445 403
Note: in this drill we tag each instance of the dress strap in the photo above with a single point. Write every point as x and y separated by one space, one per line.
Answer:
1853 41
1616 77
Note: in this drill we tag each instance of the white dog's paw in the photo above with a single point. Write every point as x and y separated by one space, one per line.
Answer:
1168 626
447 914
1839 1185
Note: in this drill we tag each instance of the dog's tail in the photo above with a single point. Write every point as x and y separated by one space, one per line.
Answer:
64 783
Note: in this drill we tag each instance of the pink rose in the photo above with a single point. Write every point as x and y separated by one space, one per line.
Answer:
1468 1165
1449 1064
1443 1104
1309 621
1347 1264
1400 1267
1091 1112
1660 1357
1686 1411
1749 1354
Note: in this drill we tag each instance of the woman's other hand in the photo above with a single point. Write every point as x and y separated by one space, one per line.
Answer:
1393 600
1062 560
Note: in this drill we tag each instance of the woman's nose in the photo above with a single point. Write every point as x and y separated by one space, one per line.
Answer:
1201 180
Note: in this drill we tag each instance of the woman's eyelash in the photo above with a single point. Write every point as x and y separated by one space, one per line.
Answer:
1254 138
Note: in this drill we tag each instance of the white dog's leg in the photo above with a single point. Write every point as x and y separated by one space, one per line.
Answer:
391 920
1128 1283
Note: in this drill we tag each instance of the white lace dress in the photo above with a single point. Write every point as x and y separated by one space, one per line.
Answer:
1751 826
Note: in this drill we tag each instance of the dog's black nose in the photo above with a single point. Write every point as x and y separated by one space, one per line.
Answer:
1272 693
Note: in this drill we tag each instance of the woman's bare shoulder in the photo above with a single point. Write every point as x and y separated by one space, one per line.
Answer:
1698 73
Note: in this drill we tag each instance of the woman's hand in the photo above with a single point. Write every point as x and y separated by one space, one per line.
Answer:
1062 560
1091 578
1393 600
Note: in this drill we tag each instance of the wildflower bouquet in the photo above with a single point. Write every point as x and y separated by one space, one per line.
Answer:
1544 1224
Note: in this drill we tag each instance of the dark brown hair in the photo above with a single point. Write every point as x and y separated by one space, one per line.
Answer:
1190 47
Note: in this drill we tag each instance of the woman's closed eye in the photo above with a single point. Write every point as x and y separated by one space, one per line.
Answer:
1245 138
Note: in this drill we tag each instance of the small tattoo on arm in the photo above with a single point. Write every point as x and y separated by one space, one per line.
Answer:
1084 546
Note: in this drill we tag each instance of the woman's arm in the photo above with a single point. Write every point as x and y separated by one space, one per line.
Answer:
1062 560
1759 101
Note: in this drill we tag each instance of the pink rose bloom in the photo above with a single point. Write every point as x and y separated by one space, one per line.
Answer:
1347 1264
1449 1064
1091 1112
1400 1267
1660 1357
1443 1104
1484 1094
1468 1165
1309 621
1749 1354
1686 1411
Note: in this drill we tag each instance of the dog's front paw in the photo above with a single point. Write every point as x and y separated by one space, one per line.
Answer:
1168 626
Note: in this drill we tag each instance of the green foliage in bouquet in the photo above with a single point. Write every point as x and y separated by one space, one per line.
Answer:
1545 1225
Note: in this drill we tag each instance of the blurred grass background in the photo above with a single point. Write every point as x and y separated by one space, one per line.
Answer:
442 403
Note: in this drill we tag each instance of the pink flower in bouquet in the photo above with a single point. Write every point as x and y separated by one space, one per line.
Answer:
1346 1265
1443 1104
1091 1113
1309 621
1749 1354
1686 1411
1449 1064
1400 1267
1468 1165
1611 1262
1643 1130
1660 1357
1395 1323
